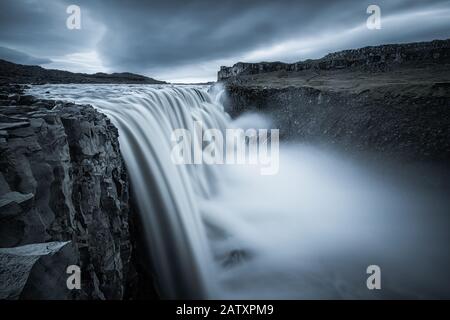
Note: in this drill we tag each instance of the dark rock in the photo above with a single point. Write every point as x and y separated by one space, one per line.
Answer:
412 128
48 277
373 59
391 100
26 100
36 271
13 203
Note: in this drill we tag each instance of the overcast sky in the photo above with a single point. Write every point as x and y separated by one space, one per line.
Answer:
188 40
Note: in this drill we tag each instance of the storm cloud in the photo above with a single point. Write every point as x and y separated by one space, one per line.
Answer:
189 40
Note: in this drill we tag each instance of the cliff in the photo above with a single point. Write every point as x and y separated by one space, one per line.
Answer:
23 74
390 100
63 200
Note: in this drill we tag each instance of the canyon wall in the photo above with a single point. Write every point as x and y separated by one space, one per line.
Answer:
64 200
390 123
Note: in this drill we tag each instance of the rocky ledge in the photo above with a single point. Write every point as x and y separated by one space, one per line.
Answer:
63 200
374 58
23 74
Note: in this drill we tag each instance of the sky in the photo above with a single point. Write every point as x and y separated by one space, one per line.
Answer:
188 40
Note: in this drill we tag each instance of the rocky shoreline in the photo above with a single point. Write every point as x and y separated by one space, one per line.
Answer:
64 200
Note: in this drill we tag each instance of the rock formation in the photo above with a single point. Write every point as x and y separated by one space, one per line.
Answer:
63 200
376 58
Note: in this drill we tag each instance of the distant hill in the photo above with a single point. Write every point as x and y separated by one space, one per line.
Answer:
23 74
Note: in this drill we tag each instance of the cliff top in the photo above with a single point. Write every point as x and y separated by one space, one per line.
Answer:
24 74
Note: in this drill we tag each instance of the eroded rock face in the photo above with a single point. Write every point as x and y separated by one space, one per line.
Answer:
62 178
376 58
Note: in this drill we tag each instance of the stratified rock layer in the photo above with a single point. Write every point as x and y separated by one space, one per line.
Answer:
11 73
62 178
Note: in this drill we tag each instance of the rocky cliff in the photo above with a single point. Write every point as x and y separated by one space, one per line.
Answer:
63 200
375 58
391 100
23 74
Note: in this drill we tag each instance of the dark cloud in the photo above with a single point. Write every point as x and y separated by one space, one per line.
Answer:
162 35
39 28
148 34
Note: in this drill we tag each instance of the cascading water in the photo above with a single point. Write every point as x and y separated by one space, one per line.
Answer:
227 232
166 193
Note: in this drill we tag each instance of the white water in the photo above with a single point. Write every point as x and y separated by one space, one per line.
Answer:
228 232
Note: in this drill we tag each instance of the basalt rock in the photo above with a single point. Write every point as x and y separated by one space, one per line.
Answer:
63 180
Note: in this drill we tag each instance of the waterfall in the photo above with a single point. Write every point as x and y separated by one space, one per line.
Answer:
167 193
227 232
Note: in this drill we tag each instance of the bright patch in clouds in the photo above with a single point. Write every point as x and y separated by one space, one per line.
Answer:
85 62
